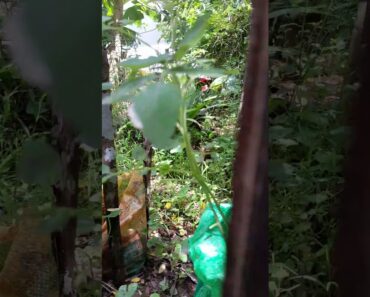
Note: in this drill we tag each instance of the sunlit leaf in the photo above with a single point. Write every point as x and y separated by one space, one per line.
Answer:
133 13
193 36
114 212
127 290
157 108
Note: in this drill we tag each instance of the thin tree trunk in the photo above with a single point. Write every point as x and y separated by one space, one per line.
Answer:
110 188
147 177
351 254
66 195
247 259
115 52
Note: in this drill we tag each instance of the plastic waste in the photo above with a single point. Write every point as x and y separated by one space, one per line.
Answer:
133 222
207 250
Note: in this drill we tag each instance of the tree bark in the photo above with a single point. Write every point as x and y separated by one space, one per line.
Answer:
115 50
351 254
147 177
66 195
110 190
247 259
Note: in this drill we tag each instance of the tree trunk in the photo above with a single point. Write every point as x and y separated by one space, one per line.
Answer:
110 190
247 259
66 195
351 254
147 177
115 52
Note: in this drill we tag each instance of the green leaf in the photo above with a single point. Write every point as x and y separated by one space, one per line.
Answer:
157 107
177 149
105 169
193 36
142 63
108 6
133 13
114 212
128 89
138 153
286 142
155 295
39 163
127 290
180 253
279 170
164 284
277 271
218 82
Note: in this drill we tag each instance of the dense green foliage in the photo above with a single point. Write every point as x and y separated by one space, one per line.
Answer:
308 68
226 38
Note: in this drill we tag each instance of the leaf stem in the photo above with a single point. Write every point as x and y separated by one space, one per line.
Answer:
197 173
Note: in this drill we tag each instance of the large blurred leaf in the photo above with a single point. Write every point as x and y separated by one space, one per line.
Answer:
193 36
39 163
59 52
142 63
128 89
157 107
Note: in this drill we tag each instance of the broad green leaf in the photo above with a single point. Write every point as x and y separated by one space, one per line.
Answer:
138 153
155 295
142 63
39 163
157 107
114 212
127 290
277 271
193 36
133 13
126 91
105 169
218 82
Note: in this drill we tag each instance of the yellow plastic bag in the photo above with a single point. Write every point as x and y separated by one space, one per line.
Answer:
133 222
